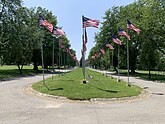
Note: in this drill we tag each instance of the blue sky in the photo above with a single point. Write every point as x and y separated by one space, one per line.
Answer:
69 14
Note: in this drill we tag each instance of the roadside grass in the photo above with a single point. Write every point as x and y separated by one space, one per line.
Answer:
9 71
71 86
155 75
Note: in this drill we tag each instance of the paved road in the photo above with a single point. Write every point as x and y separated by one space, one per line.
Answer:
16 107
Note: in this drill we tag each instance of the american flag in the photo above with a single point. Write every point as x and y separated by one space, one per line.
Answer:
84 47
109 46
74 58
116 40
121 32
58 31
67 50
45 23
97 54
82 52
132 27
41 21
84 44
93 57
102 51
86 39
61 44
78 62
87 22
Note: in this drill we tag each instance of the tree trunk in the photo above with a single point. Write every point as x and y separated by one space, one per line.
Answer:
132 70
20 69
35 66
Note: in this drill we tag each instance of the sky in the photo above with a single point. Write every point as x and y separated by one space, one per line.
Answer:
69 16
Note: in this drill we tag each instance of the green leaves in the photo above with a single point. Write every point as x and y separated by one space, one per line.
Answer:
20 35
148 16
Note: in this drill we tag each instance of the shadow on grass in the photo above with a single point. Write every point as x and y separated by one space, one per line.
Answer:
11 74
53 89
111 91
65 80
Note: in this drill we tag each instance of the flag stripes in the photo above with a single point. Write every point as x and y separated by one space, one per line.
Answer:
87 22
132 27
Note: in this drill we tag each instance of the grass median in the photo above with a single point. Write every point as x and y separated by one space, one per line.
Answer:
99 86
10 71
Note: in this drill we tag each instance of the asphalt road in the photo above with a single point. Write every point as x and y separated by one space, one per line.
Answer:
18 107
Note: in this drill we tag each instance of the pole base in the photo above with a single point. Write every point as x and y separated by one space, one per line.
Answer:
84 81
118 80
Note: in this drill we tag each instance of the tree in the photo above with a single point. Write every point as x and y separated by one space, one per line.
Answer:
19 46
149 56
148 15
21 36
7 13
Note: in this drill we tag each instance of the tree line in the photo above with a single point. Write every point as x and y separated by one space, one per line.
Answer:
21 36
146 50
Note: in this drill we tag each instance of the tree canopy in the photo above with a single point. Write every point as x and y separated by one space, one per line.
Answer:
146 49
21 36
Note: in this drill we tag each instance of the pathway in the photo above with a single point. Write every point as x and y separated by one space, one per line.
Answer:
16 107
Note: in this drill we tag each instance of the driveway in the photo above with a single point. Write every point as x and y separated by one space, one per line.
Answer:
16 107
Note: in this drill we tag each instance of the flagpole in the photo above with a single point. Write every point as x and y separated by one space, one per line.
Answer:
112 58
42 58
118 64
64 63
61 60
59 55
53 58
102 65
128 61
106 64
83 59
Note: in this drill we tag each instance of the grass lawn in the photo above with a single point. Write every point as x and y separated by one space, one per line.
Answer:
155 75
71 86
7 71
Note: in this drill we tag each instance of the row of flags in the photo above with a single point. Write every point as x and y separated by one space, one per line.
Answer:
87 22
67 50
57 31
116 40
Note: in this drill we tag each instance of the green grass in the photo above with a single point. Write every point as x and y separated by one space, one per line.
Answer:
7 71
71 86
155 75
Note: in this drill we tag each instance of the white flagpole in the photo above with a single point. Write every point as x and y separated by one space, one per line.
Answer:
59 55
61 59
128 61
106 63
83 58
53 58
42 57
118 77
64 63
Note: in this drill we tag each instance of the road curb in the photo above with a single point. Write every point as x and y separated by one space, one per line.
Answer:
144 95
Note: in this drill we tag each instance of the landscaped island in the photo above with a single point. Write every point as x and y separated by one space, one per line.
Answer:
70 85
